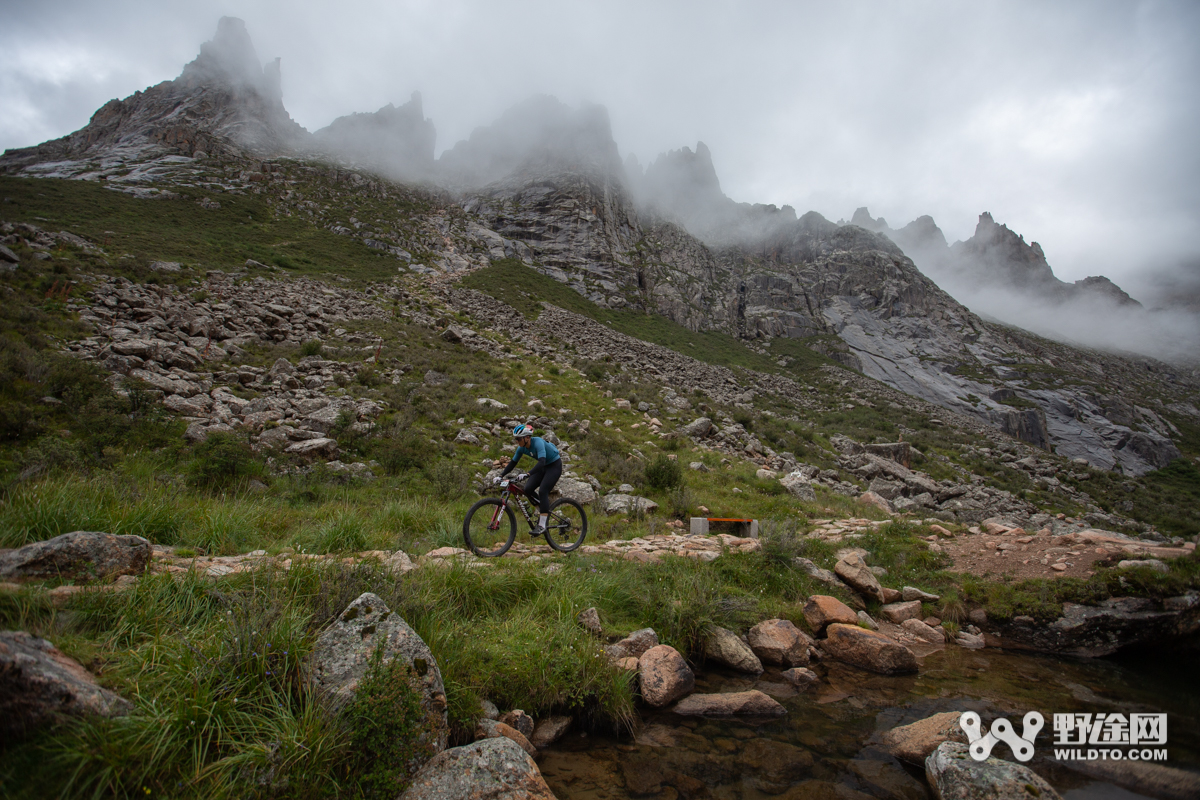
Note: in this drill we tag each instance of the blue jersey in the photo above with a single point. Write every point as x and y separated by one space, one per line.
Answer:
539 448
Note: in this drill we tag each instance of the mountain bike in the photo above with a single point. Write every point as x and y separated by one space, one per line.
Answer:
487 534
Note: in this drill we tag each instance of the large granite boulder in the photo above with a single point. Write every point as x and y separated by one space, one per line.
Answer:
490 769
869 650
799 487
779 642
343 652
724 647
752 703
491 729
39 684
954 775
627 504
573 489
78 555
664 676
822 610
913 743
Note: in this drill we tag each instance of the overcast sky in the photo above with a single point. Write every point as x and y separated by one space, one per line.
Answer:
1076 124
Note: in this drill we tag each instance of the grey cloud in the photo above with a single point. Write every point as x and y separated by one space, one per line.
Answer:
1074 122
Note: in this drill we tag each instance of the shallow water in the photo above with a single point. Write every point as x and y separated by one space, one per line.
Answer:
822 748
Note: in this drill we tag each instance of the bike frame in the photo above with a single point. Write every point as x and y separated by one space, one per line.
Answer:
509 490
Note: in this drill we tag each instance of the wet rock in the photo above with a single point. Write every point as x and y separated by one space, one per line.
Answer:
490 769
898 612
869 650
664 676
969 641
855 572
913 743
343 651
725 647
800 677
1102 629
79 555
39 684
1144 778
627 504
780 642
954 775
752 703
822 610
518 719
589 618
491 729
549 730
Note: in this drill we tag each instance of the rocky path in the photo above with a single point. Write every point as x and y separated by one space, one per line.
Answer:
997 549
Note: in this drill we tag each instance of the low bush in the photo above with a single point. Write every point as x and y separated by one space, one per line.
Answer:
224 460
391 736
664 473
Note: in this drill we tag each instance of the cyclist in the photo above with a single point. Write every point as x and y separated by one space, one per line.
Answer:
542 477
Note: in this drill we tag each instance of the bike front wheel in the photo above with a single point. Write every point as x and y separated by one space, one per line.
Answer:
489 528
567 525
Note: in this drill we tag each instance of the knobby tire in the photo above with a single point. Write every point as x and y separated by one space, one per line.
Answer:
564 540
484 542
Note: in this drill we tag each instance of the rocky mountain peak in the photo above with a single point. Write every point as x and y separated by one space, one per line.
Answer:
539 136
229 58
396 141
862 218
1004 256
224 100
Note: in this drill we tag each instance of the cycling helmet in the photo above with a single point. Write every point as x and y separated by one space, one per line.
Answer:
522 431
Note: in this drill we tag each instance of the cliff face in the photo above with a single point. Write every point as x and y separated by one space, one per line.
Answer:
856 290
224 100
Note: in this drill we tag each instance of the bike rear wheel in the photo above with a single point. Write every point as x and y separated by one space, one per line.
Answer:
487 531
567 525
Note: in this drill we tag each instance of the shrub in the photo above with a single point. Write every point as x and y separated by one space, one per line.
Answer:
680 501
312 347
449 480
391 734
664 473
223 460
399 454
